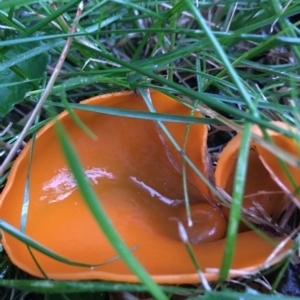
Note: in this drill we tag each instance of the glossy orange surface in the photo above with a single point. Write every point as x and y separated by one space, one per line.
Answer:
135 172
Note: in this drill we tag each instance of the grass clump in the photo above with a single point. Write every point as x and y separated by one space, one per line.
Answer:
238 60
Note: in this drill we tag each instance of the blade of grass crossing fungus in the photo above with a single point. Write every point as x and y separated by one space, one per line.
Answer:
184 238
239 180
18 234
237 198
139 114
26 201
184 177
75 118
185 188
103 221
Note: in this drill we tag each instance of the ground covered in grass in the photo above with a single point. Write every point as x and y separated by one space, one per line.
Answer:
236 62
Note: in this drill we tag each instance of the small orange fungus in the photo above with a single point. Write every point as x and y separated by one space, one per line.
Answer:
273 165
266 181
136 172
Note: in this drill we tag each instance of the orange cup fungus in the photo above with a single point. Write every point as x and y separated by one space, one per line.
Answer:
136 172
266 181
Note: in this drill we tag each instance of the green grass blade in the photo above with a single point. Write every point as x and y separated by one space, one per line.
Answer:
71 287
39 247
98 213
75 118
237 198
